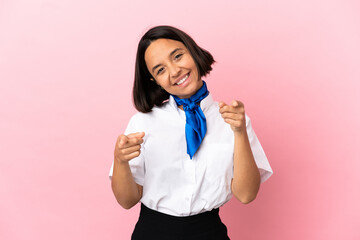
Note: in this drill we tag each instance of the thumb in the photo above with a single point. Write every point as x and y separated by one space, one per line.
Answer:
123 140
235 103
221 104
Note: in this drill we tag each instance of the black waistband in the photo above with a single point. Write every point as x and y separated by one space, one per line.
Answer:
157 225
159 216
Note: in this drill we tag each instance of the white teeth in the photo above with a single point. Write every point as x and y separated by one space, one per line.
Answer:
182 80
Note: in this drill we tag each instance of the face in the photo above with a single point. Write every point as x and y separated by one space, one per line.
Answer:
172 67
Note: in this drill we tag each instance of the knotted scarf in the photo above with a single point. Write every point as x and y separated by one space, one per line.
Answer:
195 127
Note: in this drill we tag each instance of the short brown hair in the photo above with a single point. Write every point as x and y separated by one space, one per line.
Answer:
147 93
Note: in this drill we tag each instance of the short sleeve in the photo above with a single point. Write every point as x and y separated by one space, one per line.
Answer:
137 164
258 152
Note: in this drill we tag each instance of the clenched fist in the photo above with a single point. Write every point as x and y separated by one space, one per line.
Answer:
128 147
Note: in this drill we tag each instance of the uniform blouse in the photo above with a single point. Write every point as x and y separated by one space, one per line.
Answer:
172 182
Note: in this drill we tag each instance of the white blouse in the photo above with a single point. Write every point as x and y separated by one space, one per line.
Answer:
172 182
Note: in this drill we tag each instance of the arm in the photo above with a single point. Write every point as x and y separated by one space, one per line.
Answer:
127 192
246 181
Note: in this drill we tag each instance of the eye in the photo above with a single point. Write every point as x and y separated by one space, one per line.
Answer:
178 56
160 70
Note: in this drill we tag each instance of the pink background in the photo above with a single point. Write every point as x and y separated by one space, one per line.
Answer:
66 70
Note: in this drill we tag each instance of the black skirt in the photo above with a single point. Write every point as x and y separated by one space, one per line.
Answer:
156 225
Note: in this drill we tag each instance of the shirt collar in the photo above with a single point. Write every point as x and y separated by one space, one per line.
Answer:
204 104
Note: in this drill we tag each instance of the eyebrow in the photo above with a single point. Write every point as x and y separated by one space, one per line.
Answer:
172 52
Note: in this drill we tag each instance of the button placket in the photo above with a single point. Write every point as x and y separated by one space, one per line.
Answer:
190 175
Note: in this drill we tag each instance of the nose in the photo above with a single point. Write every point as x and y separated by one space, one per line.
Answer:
174 70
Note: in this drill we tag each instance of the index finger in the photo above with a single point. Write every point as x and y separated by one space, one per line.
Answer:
137 134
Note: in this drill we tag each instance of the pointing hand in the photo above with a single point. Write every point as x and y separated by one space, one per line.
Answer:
234 115
128 147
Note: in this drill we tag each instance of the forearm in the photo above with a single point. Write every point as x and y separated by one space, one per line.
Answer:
246 180
125 189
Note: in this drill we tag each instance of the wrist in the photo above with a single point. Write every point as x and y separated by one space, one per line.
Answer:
240 134
120 162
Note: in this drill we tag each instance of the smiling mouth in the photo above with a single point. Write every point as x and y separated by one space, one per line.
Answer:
183 79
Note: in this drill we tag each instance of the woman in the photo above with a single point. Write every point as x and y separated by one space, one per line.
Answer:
183 155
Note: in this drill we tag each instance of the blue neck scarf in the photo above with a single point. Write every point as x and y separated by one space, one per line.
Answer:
195 127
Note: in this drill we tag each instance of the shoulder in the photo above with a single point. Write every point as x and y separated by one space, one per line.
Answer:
156 112
138 118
